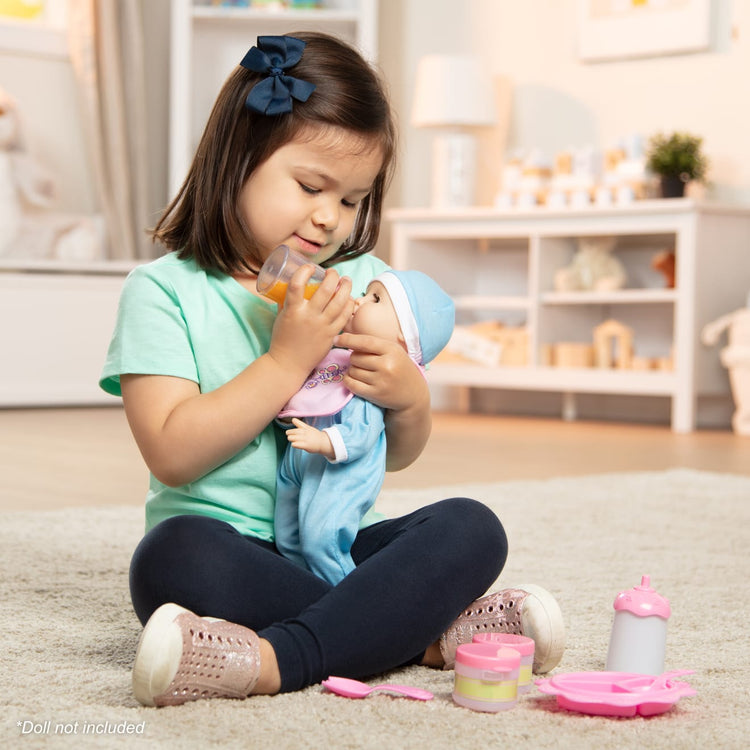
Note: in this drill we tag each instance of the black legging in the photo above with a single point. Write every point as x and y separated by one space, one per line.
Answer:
414 575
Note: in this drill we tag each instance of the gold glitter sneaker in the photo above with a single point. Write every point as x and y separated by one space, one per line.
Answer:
526 610
182 657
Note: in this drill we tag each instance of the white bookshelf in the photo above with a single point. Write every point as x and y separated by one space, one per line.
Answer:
209 41
501 265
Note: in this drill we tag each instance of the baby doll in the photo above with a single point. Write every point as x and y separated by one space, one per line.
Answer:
334 464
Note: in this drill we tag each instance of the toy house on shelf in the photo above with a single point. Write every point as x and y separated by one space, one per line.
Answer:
613 345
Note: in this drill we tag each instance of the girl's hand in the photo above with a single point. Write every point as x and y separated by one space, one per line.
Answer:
382 372
304 329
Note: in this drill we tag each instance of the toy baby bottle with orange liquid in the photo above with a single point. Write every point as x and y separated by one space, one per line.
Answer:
277 271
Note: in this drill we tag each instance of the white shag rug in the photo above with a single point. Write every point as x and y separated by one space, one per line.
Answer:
70 633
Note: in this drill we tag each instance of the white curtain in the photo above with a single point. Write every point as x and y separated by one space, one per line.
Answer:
107 51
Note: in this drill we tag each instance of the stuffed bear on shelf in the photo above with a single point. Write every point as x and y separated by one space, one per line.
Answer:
24 184
30 230
593 267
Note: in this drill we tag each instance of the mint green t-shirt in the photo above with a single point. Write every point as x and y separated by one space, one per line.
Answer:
176 319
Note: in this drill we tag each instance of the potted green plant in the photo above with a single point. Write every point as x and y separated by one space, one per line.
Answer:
676 159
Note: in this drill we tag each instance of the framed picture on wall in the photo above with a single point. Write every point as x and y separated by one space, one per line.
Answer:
616 29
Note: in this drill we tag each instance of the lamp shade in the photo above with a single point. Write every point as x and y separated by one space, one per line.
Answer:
452 90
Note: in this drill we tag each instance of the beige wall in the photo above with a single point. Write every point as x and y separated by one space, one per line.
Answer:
557 100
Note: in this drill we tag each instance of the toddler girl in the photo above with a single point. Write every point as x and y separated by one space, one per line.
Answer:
298 150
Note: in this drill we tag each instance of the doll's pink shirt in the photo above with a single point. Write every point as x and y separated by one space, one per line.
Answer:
324 392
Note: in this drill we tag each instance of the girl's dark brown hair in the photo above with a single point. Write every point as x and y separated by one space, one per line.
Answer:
203 221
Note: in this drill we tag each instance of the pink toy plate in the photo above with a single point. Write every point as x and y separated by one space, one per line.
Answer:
616 693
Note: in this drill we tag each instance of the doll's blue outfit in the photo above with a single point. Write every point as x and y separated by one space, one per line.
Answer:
320 503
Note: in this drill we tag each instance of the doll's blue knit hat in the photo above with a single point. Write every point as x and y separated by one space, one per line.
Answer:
425 312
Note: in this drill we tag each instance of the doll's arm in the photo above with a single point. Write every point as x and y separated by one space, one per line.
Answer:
356 435
310 439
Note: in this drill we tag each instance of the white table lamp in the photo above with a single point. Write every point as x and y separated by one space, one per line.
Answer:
453 93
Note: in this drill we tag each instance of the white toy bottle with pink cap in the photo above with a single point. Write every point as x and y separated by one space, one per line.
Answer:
639 631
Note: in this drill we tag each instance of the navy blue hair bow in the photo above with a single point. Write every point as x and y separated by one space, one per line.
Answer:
273 55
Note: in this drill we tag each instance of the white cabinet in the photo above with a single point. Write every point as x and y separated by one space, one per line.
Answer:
501 265
208 42
55 332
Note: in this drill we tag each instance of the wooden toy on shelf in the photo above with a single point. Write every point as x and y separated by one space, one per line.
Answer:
642 363
652 363
613 345
489 343
572 354
513 341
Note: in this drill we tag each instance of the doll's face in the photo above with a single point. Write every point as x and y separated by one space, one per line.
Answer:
374 315
307 193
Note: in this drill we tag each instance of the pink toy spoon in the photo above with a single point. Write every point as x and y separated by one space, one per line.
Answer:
356 689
